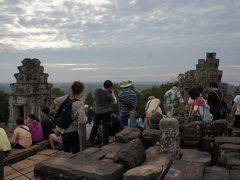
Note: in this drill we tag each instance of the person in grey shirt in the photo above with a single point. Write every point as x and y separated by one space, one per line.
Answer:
104 101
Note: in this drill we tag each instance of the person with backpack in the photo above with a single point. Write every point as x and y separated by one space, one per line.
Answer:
49 128
199 110
69 115
104 101
215 100
236 111
152 107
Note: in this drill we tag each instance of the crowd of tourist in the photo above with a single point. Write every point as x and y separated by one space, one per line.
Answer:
203 105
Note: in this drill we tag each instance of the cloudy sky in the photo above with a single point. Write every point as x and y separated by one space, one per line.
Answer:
141 40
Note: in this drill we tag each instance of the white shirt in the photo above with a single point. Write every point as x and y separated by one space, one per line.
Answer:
237 101
152 105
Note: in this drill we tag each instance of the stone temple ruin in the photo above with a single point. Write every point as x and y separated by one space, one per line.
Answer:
30 92
206 72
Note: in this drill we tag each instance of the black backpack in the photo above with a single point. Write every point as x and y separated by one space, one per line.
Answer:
221 109
63 117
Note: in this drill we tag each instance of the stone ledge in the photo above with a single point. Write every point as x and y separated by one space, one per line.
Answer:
21 154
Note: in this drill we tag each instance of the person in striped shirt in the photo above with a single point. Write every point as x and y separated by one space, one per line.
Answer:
127 102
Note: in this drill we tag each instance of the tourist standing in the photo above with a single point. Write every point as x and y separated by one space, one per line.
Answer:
127 102
173 101
70 136
236 110
215 96
21 136
104 101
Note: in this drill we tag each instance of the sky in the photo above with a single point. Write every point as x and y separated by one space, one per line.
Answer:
140 40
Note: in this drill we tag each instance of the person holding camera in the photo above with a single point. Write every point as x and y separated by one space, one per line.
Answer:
104 101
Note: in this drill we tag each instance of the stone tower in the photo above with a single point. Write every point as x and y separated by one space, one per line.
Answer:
206 72
31 91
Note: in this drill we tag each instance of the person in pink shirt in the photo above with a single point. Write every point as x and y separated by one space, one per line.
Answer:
35 128
196 109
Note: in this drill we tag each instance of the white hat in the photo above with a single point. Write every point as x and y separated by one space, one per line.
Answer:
125 83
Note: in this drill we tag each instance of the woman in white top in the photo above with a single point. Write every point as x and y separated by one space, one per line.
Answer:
152 107
236 110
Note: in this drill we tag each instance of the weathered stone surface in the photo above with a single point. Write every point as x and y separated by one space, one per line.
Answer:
150 137
207 144
234 174
206 72
152 153
145 172
216 173
78 166
169 141
192 134
131 155
154 121
184 170
192 155
31 91
223 140
127 135
219 128
225 149
21 154
233 161
152 168
235 132
230 140
112 150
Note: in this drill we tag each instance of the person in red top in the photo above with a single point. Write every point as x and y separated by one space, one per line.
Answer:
196 110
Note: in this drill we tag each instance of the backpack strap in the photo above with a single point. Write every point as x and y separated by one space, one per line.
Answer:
218 95
25 129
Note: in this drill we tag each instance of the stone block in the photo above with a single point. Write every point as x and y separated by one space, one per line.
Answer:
225 149
234 174
78 166
150 137
184 170
233 161
127 135
216 173
112 149
235 132
192 155
131 155
151 168
207 144
223 140
169 137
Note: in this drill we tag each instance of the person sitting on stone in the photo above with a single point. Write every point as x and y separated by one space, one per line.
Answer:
4 142
35 128
21 138
50 131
